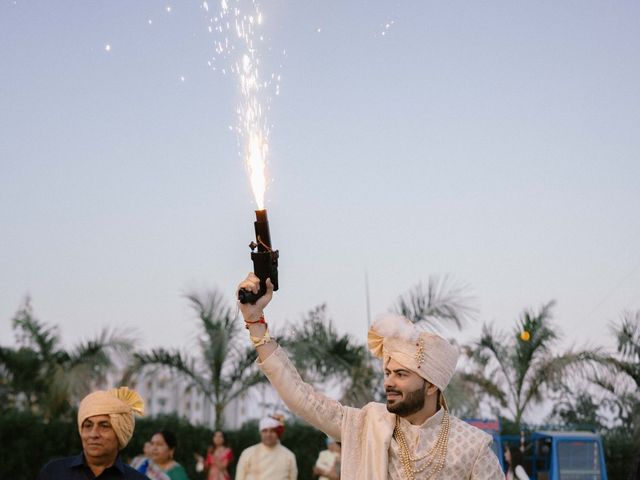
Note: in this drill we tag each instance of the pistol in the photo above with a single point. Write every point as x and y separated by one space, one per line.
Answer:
265 259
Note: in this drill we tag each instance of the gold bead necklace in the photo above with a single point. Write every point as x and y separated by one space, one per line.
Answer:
437 453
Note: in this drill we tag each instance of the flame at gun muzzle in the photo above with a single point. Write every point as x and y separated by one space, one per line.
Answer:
265 259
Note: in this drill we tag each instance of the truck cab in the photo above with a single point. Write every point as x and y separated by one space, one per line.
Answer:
567 456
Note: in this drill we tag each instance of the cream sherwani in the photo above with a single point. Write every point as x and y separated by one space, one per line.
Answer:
260 462
369 451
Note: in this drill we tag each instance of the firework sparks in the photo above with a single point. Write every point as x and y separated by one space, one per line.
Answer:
238 45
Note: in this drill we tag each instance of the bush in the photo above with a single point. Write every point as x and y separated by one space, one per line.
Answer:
28 443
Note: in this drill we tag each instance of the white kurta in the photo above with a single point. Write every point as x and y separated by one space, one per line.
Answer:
326 460
369 451
260 462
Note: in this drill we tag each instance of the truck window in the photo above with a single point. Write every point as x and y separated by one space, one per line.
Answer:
579 460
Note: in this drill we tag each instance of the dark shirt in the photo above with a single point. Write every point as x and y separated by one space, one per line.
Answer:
75 468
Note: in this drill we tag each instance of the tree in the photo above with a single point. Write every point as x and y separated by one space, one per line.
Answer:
579 410
516 369
224 370
39 375
444 301
620 376
321 354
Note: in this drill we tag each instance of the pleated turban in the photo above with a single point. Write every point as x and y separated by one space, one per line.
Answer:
425 353
120 404
275 422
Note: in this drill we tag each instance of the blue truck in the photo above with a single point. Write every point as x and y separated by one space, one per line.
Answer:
567 456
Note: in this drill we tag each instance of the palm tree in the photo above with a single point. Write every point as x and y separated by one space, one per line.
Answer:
517 369
444 301
621 374
224 369
322 355
41 376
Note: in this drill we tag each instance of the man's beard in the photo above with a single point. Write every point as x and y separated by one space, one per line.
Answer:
413 402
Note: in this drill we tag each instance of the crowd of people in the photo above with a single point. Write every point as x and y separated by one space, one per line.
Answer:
106 424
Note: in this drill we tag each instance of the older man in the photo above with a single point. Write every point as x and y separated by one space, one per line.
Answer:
413 436
268 460
105 422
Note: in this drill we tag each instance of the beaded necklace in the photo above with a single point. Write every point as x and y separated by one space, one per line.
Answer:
435 456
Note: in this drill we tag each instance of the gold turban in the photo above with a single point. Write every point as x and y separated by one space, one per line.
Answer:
425 353
120 404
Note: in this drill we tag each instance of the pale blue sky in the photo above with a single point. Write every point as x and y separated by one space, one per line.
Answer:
495 141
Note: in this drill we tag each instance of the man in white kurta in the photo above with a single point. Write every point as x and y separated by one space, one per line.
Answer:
411 437
328 460
268 460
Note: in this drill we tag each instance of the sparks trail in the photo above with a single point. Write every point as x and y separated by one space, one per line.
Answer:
238 47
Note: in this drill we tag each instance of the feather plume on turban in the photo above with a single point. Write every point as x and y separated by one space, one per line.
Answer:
425 353
120 404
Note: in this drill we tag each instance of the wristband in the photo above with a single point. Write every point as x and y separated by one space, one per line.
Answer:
260 320
259 341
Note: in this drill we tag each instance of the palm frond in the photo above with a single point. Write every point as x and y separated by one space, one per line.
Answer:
443 301
171 359
30 332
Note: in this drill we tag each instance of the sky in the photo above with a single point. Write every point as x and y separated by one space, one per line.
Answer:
496 142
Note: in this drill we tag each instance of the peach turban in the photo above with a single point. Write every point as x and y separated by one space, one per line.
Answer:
425 353
120 404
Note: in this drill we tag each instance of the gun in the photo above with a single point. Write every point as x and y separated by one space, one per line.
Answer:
265 259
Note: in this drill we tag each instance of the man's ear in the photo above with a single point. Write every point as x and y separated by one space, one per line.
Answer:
431 389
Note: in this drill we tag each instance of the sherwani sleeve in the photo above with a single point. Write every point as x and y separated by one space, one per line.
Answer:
486 466
301 398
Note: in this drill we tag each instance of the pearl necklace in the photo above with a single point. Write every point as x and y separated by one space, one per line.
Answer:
437 453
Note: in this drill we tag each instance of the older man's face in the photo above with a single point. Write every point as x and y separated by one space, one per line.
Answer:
99 440
269 437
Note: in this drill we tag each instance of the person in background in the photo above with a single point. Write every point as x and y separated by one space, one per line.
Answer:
219 456
105 424
268 460
141 462
162 465
327 466
513 459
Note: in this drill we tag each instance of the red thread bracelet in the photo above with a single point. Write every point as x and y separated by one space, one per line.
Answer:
260 320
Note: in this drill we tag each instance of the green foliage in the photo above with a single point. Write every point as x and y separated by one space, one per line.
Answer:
622 453
39 375
580 410
517 369
28 442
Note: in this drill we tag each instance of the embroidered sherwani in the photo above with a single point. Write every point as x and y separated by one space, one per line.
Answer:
260 462
369 451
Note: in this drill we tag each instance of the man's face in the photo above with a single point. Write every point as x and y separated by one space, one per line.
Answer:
269 437
99 440
406 390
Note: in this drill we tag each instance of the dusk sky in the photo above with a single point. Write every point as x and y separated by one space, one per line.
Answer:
497 142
